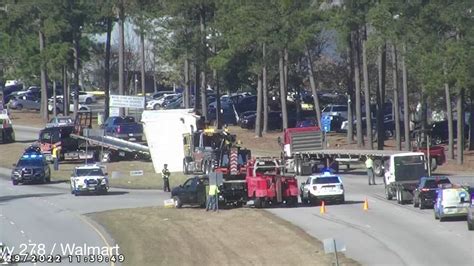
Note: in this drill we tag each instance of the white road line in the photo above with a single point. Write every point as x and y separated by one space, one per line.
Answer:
12 223
23 232
29 241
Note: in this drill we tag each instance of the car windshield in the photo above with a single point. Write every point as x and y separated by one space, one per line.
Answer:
89 171
339 109
326 180
433 183
29 162
49 136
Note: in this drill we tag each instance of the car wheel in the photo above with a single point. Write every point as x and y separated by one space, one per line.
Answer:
378 170
88 100
342 200
48 179
76 193
177 202
422 206
435 215
433 164
82 109
441 218
470 227
14 182
19 107
388 196
156 107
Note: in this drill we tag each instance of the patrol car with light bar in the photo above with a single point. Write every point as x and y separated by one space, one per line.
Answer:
32 167
322 187
89 178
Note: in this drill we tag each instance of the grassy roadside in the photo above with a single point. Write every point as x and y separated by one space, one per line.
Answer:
119 172
159 236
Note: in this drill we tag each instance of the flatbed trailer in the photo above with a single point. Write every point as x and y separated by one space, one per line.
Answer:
111 148
302 148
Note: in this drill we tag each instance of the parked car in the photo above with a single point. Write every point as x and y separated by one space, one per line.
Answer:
58 121
158 94
440 132
60 105
157 103
84 97
424 195
192 192
89 178
123 127
322 187
335 110
451 202
307 123
248 103
227 115
274 121
26 102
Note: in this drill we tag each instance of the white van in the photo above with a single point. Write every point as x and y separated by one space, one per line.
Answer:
451 202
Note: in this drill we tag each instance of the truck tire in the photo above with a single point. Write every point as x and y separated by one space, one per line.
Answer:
417 204
378 170
106 157
185 167
298 164
259 203
177 202
15 182
388 195
434 164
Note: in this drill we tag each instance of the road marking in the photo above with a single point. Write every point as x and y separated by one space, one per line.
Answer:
10 188
12 223
29 241
99 233
22 232
368 226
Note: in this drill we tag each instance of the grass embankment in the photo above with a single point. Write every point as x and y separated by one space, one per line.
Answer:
158 236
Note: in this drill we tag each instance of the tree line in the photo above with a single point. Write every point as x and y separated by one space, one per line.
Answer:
412 53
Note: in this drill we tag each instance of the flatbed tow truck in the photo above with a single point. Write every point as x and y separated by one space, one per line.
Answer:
81 142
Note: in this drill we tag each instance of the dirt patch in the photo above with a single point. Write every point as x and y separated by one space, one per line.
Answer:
26 118
158 236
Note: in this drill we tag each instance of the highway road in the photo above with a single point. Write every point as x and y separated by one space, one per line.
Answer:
388 233
49 215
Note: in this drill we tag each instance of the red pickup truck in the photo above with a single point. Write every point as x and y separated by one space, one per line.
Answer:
437 155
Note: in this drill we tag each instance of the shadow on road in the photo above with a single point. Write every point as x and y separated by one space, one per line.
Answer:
24 196
26 141
350 202
110 193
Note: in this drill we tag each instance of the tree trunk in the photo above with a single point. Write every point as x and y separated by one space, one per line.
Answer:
356 53
449 114
381 97
368 114
285 68
264 90
258 120
142 63
121 74
55 113
314 90
44 81
202 19
218 100
471 121
406 104
284 110
395 98
187 88
350 91
460 127
197 95
76 71
107 69
65 92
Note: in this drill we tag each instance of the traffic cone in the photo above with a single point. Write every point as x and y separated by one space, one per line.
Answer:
366 204
322 209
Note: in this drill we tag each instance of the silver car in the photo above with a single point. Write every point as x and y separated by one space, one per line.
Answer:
25 102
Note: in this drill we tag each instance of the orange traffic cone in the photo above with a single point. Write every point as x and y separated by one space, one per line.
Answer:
366 204
322 209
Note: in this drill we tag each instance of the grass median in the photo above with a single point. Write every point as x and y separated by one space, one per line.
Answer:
159 236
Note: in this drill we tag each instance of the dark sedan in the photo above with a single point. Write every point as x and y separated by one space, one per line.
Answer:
424 195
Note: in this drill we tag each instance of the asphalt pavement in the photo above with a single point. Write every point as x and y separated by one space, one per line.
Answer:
388 233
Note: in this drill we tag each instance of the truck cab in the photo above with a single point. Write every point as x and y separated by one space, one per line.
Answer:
403 172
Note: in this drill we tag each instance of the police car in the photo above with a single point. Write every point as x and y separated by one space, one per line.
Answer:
322 187
451 201
89 179
32 167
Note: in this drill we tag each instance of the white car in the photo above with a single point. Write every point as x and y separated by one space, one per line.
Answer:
89 179
60 105
322 187
157 104
335 110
